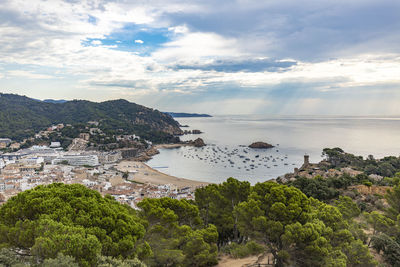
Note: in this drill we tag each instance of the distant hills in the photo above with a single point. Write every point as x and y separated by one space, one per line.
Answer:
186 115
55 101
21 117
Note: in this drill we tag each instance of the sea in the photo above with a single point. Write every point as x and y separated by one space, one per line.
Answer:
228 137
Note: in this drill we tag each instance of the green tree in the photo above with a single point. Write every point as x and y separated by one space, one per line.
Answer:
216 204
379 222
297 230
279 216
176 234
10 258
317 187
358 255
347 207
71 219
106 261
393 199
60 261
389 247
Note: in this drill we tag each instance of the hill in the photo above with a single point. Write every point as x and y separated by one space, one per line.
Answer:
186 115
55 101
21 117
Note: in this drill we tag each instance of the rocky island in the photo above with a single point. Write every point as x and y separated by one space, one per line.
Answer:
198 143
261 145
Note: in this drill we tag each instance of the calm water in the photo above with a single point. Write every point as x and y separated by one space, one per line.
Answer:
227 137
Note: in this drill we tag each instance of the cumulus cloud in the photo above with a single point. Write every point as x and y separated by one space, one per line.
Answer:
139 42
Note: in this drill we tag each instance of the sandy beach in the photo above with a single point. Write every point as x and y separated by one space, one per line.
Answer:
144 174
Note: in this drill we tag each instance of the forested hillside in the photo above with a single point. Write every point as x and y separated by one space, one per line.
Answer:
73 225
21 117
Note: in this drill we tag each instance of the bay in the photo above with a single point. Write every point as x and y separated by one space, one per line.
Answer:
227 137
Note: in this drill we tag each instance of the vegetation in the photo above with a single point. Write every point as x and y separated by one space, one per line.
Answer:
307 222
372 218
299 231
70 224
387 167
70 219
217 203
177 235
21 117
186 115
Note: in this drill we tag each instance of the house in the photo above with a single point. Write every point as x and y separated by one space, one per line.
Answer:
55 144
5 141
84 136
15 146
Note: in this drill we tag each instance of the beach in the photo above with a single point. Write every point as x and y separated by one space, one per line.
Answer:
142 173
228 136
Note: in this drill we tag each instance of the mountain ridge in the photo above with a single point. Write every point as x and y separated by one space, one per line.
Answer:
21 117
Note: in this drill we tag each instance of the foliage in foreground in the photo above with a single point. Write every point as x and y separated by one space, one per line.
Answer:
70 224
297 230
62 223
70 219
176 234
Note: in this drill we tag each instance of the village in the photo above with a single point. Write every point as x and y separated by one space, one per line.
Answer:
104 171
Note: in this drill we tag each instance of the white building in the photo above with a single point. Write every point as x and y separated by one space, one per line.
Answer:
2 186
88 182
55 144
32 160
78 160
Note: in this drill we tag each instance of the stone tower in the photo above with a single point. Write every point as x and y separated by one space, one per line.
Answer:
306 160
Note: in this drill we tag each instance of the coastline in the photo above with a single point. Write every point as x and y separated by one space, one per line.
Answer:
142 173
168 146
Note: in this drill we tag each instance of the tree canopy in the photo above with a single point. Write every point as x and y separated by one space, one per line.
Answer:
70 224
70 219
177 235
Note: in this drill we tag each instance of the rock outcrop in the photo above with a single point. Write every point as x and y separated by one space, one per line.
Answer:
261 145
198 142
192 132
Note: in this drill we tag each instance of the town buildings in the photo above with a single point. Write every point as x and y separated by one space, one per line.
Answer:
42 165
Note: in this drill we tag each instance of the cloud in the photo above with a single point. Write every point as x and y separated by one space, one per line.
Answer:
28 74
180 29
96 42
197 51
302 29
242 65
196 46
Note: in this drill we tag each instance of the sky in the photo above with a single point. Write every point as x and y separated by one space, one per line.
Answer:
273 57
